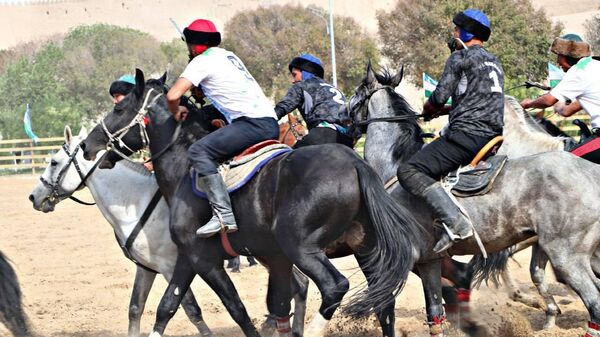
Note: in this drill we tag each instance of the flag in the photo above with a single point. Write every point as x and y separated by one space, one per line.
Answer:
429 85
555 75
27 125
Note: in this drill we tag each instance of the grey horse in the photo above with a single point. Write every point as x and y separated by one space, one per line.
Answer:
551 195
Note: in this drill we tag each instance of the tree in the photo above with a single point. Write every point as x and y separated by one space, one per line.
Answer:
65 80
416 33
268 38
592 33
98 54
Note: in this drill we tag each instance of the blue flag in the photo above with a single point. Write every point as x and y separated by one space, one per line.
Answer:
27 125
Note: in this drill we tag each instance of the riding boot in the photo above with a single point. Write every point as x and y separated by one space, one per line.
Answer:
218 197
457 226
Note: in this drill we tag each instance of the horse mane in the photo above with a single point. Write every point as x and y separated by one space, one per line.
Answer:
409 141
520 124
525 118
136 167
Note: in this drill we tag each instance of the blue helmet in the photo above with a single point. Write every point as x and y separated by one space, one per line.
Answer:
308 64
473 23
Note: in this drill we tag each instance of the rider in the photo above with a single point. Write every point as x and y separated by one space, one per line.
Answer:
475 80
121 87
225 81
579 85
322 106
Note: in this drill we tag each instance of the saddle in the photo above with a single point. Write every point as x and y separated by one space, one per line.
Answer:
239 171
478 177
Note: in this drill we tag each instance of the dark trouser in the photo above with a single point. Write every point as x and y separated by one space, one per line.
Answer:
323 135
589 149
207 153
441 156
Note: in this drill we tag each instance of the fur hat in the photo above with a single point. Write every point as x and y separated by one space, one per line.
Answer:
571 45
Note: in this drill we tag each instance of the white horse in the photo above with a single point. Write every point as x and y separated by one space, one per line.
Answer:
122 195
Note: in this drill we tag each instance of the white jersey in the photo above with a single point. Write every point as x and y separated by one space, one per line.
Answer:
581 82
230 87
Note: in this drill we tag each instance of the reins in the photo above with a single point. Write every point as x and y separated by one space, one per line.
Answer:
55 187
382 119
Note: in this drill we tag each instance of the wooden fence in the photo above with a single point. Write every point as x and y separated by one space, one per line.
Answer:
25 156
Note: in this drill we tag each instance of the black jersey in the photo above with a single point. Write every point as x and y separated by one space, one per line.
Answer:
475 80
317 100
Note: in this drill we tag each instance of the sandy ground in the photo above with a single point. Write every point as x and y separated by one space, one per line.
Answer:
77 283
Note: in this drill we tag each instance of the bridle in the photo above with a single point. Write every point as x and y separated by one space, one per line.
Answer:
55 188
139 120
368 121
292 130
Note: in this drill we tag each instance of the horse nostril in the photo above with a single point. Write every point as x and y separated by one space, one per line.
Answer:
82 145
31 198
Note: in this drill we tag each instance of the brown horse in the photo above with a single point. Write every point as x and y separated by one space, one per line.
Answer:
291 131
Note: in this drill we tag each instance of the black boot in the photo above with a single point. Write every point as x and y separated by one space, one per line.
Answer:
216 193
457 226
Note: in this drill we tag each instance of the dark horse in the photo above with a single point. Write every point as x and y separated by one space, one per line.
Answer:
11 309
298 205
551 195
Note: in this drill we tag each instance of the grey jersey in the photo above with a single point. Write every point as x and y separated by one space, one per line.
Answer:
475 80
317 100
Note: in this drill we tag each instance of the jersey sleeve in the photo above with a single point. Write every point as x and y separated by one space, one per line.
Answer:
449 80
292 100
197 70
570 87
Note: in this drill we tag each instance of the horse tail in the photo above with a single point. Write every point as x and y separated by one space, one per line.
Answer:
393 254
491 268
11 310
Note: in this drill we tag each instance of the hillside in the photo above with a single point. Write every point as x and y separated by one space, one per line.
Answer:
40 18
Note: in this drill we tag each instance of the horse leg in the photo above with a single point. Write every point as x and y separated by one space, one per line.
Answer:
386 317
331 283
458 302
234 264
575 269
431 276
213 273
193 312
183 274
300 294
144 279
537 270
279 293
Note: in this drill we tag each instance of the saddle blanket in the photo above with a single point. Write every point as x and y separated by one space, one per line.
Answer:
239 171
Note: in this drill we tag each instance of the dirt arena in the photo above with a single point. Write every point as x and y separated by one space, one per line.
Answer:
76 283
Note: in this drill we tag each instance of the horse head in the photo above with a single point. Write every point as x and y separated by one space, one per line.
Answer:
126 129
123 130
369 97
63 175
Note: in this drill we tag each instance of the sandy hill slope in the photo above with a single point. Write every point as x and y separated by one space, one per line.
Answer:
23 20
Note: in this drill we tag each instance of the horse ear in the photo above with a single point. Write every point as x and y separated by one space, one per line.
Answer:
371 78
68 134
163 78
139 83
398 77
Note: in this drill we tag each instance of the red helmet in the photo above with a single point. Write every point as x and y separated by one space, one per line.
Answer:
202 32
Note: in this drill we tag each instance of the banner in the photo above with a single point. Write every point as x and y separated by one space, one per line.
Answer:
429 85
27 125
555 75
